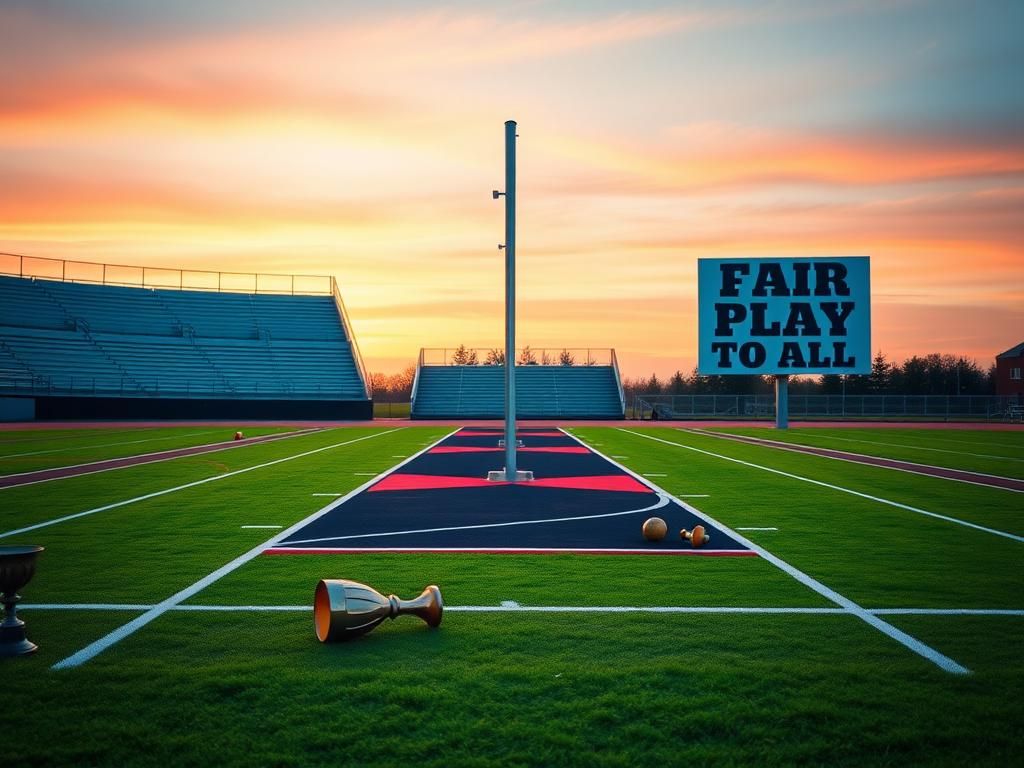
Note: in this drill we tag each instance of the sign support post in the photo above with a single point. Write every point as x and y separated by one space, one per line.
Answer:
782 402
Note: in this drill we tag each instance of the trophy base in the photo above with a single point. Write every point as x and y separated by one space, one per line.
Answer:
501 476
14 643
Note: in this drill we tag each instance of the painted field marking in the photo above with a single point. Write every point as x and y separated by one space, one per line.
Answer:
511 606
654 474
694 496
850 491
617 457
107 445
223 446
398 456
919 448
662 501
98 646
193 484
325 494
756 529
365 474
942 661
262 526
857 458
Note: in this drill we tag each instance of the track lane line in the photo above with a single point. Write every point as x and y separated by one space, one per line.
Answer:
912 643
98 646
214 478
879 499
125 462
899 465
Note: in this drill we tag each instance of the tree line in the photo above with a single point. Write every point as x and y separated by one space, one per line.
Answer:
933 374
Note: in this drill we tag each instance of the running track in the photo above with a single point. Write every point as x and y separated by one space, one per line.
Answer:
57 473
963 476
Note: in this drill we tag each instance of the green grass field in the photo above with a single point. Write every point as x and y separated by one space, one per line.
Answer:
244 687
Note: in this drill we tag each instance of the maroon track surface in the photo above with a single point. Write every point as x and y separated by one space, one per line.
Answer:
497 423
992 481
55 473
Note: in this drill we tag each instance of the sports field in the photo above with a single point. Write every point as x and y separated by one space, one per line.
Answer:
878 621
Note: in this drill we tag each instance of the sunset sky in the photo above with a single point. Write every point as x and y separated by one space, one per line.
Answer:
363 140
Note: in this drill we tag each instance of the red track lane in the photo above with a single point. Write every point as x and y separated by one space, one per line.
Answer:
991 481
56 473
633 424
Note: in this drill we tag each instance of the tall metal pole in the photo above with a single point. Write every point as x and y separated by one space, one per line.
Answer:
510 300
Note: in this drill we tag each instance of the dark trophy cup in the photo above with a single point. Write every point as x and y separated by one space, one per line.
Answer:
344 609
17 565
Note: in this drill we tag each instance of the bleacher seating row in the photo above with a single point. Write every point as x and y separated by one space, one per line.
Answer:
97 339
542 391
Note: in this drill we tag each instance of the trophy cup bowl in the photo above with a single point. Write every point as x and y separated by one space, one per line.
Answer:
344 609
17 566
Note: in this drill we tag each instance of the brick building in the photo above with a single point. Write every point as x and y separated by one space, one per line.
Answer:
1010 372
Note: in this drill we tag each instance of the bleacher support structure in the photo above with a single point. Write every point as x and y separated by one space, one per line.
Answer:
589 387
78 350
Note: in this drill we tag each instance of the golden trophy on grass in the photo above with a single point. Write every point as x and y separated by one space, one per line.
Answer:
344 609
17 566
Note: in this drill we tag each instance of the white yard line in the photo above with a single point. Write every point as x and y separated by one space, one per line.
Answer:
262 526
756 529
915 645
326 494
830 486
858 458
193 484
89 446
100 645
225 446
662 501
509 606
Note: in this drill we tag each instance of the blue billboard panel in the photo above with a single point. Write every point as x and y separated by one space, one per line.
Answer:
784 316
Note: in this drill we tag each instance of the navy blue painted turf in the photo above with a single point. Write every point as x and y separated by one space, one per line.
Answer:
372 520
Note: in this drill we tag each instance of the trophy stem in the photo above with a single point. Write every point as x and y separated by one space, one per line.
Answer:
428 606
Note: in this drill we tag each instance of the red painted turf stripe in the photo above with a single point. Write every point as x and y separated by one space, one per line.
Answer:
484 551
411 482
490 433
578 449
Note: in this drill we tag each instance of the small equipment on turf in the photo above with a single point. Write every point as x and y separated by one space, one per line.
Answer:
238 435
17 566
655 529
344 609
697 536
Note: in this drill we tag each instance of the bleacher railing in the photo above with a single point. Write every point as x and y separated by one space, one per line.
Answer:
67 271
483 356
201 388
822 406
356 354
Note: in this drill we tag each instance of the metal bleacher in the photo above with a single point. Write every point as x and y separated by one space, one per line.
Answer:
448 390
82 339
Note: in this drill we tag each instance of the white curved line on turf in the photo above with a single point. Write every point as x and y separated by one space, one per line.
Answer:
662 501
153 495
224 446
861 458
926 651
98 646
89 446
850 491
514 608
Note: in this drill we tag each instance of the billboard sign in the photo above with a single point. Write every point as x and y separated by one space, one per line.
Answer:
784 316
